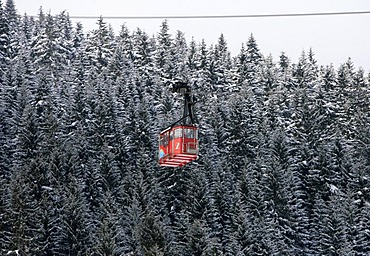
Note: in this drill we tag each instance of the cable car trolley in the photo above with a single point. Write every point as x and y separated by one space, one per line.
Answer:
178 144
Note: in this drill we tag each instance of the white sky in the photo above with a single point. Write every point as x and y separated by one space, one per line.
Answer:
332 38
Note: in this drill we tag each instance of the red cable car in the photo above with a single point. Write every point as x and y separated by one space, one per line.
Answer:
178 144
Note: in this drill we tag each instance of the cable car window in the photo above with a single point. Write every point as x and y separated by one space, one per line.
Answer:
189 133
178 133
164 140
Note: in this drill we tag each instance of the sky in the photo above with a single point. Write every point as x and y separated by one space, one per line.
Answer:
333 38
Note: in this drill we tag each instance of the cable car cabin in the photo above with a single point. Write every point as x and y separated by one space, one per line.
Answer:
178 145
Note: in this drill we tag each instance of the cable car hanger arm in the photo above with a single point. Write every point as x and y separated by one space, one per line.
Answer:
184 88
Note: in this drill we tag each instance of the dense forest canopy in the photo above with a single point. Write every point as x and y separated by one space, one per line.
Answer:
284 166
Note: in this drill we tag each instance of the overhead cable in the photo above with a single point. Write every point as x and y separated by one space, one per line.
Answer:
231 16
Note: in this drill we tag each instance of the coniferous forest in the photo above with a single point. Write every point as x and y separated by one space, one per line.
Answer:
284 161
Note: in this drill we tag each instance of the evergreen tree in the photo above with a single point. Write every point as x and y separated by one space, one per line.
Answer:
220 67
99 47
252 60
180 49
164 52
77 225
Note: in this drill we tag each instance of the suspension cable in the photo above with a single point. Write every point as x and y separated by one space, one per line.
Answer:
231 16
